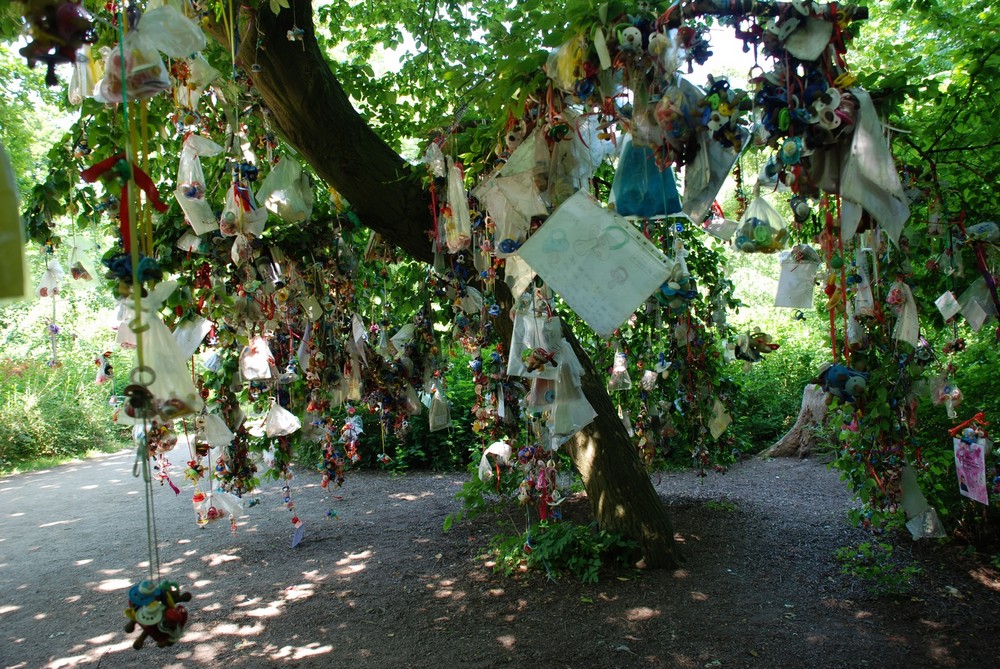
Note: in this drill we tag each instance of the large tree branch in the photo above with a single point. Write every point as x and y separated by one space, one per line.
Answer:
309 107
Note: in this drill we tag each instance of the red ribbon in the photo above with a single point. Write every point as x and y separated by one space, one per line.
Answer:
141 179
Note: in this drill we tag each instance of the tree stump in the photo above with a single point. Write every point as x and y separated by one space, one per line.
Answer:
802 438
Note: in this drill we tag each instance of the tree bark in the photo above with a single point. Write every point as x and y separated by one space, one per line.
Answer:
308 106
801 439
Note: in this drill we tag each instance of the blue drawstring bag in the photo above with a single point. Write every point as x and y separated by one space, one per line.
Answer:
640 187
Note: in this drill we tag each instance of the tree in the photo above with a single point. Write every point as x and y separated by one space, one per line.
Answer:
390 199
280 53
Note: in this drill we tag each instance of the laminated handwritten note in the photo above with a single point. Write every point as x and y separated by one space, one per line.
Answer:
596 261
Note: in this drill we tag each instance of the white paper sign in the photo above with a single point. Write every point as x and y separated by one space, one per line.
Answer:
601 265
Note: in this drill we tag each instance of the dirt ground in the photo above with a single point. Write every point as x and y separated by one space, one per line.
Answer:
378 584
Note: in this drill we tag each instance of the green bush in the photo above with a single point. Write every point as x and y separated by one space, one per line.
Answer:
51 414
874 563
975 374
562 547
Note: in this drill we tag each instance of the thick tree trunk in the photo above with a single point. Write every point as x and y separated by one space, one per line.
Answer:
801 440
309 108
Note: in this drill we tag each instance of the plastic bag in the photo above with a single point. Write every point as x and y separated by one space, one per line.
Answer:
512 201
81 82
761 229
541 396
565 65
241 215
571 412
287 192
575 158
977 304
534 346
501 450
168 30
439 415
457 221
900 300
200 74
145 73
945 391
215 432
620 380
48 285
798 276
256 361
280 422
190 333
77 268
174 393
191 188
641 187
105 370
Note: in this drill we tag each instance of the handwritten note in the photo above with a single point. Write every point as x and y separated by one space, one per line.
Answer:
596 261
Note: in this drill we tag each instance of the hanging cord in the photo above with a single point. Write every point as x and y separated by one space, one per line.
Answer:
152 541
142 452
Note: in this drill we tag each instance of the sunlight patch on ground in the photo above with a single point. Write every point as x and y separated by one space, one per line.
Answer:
507 641
112 584
986 577
303 591
300 652
346 566
697 596
683 661
8 608
641 613
202 653
102 638
60 522
681 573
239 630
41 616
496 592
411 497
80 563
215 559
269 611
862 615
91 657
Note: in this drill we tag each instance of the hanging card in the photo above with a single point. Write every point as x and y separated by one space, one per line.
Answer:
597 261
798 276
970 465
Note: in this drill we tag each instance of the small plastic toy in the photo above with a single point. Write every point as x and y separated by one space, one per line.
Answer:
157 609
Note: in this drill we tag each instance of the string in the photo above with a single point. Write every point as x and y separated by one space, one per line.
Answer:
142 453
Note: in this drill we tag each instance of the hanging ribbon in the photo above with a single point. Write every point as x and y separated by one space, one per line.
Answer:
126 172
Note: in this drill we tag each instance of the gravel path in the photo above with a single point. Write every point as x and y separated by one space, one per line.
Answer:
376 583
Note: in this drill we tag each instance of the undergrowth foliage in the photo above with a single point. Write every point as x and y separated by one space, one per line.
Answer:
561 548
